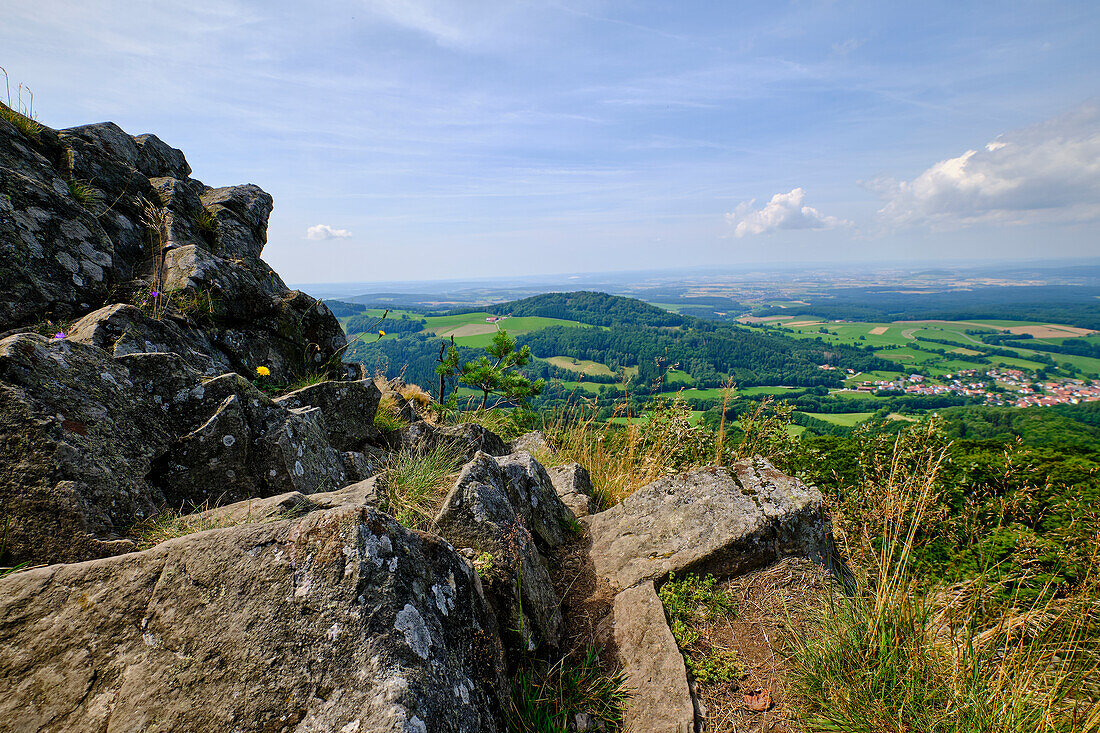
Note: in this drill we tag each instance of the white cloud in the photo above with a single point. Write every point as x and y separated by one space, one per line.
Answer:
784 211
324 231
1047 172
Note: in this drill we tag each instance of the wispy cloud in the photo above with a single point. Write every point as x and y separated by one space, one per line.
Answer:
1046 172
324 231
784 211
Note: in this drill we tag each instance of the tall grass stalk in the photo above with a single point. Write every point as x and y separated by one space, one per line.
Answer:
900 652
623 458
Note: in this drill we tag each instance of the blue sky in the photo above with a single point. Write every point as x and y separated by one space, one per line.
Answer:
416 139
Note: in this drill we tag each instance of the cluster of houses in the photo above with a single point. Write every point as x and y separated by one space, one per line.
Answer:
1015 388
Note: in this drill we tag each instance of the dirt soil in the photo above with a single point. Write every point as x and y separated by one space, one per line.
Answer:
772 604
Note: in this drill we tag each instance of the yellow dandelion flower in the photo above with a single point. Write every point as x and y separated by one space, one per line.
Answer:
263 371
381 334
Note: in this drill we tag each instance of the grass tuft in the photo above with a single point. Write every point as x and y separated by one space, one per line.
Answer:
549 701
416 483
171 524
85 194
22 122
387 418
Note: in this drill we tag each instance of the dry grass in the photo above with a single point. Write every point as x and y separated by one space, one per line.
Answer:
172 523
898 653
416 394
623 458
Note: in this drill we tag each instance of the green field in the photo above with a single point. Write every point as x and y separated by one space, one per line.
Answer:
471 329
846 419
918 339
580 365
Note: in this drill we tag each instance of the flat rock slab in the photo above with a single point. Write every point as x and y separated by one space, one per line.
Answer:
718 520
341 620
653 665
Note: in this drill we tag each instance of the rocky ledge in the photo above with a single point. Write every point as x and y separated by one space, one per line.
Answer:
149 359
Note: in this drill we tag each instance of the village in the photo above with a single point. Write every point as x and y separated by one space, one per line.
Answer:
1006 387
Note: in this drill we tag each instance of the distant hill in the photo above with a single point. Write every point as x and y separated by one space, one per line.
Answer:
1071 304
597 309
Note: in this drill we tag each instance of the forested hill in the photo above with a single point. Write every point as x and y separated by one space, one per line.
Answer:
597 309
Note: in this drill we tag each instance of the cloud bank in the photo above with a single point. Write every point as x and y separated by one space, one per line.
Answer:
784 211
324 231
1046 172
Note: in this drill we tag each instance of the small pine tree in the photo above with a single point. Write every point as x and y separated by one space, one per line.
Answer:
498 373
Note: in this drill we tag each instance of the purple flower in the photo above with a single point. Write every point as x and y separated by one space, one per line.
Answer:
154 293
59 335
144 302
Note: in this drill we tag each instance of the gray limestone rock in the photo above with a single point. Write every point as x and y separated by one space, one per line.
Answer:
574 487
480 513
654 668
718 520
91 444
533 442
348 409
341 620
241 213
467 438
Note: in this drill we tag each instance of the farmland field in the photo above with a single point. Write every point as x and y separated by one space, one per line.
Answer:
846 419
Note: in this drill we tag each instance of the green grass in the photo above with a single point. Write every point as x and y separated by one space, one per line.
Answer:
589 387
846 419
22 122
416 483
854 395
695 418
387 419
691 603
749 391
548 700
580 365
675 378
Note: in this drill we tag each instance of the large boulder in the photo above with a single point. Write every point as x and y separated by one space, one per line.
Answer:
466 438
574 487
56 260
479 513
91 444
122 329
338 621
241 214
719 520
347 407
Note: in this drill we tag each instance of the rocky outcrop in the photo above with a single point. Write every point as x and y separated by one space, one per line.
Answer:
467 439
534 442
347 410
661 700
339 621
506 507
135 406
723 521
92 444
91 213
